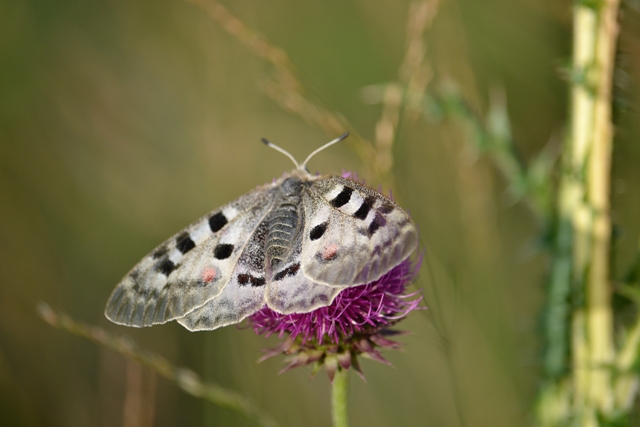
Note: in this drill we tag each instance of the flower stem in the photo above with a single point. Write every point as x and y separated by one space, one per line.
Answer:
340 398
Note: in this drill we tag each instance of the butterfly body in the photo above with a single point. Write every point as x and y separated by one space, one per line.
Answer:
291 245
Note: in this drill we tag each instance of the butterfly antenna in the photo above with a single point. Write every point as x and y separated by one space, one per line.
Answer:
328 144
282 150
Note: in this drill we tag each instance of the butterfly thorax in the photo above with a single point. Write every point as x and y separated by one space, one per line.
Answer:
284 222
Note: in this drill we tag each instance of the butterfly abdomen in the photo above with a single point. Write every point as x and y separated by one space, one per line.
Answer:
284 223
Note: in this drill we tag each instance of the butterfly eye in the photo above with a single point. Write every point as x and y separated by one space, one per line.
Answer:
318 231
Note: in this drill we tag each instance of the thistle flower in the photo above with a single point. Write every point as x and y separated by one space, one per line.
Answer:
356 323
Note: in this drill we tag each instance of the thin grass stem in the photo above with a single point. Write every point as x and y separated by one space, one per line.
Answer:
186 379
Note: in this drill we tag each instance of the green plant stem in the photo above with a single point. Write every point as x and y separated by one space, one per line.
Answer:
340 398
580 271
627 381
592 141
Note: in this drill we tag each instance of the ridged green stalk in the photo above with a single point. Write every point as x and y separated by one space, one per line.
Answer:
579 322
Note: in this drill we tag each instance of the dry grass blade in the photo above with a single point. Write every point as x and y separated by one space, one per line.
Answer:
186 379
413 76
285 87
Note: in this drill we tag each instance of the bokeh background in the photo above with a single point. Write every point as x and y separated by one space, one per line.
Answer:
121 122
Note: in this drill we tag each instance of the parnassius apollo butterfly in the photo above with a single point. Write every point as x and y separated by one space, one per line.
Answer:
292 245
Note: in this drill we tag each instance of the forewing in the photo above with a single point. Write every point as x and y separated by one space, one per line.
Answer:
353 234
190 268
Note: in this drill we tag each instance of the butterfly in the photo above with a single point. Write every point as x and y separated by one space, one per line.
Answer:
291 245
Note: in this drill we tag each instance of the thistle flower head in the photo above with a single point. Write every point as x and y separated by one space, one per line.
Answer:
356 323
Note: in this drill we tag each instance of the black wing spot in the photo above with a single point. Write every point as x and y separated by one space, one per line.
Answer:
184 243
318 231
244 279
365 207
342 198
217 221
257 281
159 253
362 231
144 292
377 222
223 251
387 208
167 267
294 269
289 271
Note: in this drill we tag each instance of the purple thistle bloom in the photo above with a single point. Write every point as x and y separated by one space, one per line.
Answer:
356 310
355 323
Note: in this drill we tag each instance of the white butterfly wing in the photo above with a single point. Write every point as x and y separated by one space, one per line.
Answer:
232 305
290 291
190 268
353 234
243 295
213 273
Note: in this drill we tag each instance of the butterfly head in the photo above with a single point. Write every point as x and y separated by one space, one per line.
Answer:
303 167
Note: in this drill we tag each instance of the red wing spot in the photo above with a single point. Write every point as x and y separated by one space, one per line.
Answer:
330 252
208 274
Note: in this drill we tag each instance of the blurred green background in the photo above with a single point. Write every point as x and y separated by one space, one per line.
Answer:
121 122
